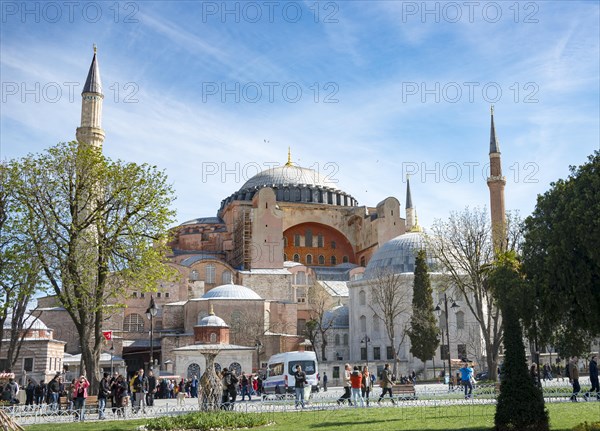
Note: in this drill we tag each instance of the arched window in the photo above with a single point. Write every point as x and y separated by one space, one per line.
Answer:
345 339
333 260
194 275
320 240
345 259
133 323
301 277
363 323
210 274
193 370
296 257
309 259
321 259
213 337
226 277
460 320
362 298
337 339
235 366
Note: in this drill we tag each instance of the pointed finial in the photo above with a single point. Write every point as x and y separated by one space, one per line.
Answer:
212 311
95 49
492 109
289 161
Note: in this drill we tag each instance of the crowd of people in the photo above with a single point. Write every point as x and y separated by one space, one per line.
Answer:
142 388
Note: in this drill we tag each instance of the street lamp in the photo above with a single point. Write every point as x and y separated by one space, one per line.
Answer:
112 352
438 310
150 314
366 340
257 345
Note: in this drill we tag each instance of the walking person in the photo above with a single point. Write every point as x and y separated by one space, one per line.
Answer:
152 387
40 393
347 386
466 374
325 381
230 382
80 394
29 392
54 391
386 383
245 387
593 379
367 384
300 377
140 389
194 387
356 385
112 384
120 394
574 377
103 394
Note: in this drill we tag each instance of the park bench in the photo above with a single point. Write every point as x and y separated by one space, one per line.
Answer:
91 403
404 391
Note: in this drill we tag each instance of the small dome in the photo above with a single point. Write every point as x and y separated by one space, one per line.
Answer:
213 321
339 316
398 255
231 291
28 323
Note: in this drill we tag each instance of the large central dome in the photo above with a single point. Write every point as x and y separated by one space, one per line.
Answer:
288 175
294 184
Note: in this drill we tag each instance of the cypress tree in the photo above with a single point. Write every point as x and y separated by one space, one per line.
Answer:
521 402
423 330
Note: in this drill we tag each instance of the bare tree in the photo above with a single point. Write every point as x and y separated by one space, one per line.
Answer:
320 321
390 299
463 246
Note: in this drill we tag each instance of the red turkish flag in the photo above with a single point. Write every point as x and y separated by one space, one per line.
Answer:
107 335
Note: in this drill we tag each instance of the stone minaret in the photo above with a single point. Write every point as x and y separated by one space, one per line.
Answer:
496 183
90 131
410 214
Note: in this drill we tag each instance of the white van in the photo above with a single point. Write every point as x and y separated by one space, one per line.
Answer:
281 368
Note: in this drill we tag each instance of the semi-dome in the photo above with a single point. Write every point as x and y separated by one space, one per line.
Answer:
338 316
294 184
231 291
398 255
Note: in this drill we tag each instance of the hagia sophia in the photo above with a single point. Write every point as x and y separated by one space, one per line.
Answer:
247 273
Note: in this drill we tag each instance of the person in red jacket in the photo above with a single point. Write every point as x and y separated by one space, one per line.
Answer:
80 394
356 384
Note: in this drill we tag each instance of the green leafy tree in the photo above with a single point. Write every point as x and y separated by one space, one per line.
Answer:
521 402
423 330
561 258
97 227
20 276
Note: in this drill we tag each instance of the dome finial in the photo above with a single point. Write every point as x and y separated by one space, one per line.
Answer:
289 161
212 311
95 49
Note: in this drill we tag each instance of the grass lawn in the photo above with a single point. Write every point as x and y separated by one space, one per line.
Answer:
563 417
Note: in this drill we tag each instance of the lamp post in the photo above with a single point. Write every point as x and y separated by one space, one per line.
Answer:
257 345
112 352
366 340
150 314
438 310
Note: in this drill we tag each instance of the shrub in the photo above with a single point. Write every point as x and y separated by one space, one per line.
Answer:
208 420
587 427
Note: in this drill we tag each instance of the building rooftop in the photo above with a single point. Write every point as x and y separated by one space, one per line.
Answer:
231 291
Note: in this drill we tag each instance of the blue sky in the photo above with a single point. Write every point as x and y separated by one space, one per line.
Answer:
363 92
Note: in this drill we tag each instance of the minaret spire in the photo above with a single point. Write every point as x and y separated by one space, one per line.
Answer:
90 132
496 183
410 218
289 160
